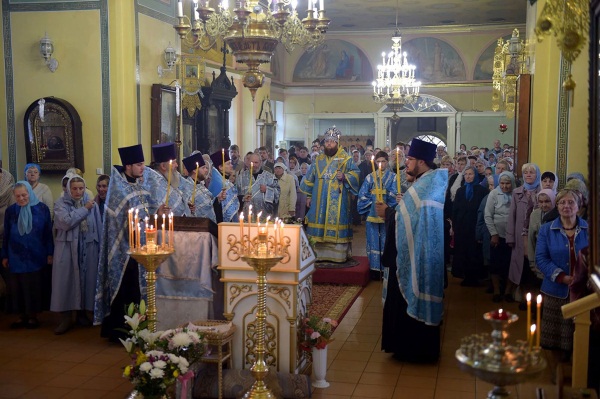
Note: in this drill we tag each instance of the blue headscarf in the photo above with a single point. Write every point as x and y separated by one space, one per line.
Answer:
538 178
469 186
25 217
32 165
502 196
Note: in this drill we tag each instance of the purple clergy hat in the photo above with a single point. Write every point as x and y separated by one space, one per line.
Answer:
131 155
217 158
190 162
422 150
164 152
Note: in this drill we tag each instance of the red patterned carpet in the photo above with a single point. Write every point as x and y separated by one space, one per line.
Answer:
333 300
357 274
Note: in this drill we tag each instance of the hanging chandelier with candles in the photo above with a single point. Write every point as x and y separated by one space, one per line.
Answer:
252 30
396 85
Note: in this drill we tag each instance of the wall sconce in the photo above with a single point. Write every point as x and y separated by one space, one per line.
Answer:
170 61
46 50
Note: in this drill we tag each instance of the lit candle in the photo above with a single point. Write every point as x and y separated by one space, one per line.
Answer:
528 297
258 215
281 231
172 230
164 237
250 183
249 220
539 320
129 220
399 180
139 231
223 164
169 182
155 220
195 182
242 229
180 8
275 235
374 175
530 336
132 236
321 4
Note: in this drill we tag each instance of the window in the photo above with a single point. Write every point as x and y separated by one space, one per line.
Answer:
431 139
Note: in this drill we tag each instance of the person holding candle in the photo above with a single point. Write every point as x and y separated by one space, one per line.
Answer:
556 255
413 260
226 204
119 276
202 198
171 188
78 227
328 184
263 193
366 205
287 197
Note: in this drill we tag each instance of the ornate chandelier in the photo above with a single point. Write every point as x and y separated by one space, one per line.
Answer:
396 85
252 30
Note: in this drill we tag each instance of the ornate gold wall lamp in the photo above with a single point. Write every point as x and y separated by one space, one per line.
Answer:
568 21
252 30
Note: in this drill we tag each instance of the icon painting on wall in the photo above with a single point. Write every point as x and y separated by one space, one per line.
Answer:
436 60
335 60
484 69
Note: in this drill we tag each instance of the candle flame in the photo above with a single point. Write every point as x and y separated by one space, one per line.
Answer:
528 296
539 299
532 328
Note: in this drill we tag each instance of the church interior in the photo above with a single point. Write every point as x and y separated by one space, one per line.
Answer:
117 68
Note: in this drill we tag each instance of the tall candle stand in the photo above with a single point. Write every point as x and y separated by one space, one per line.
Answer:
151 256
261 252
491 358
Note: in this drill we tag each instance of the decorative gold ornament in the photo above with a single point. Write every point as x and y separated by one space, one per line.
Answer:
509 63
568 21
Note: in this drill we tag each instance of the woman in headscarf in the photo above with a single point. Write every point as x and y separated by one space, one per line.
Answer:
496 217
26 249
7 183
481 232
549 180
545 199
41 191
467 261
75 267
524 200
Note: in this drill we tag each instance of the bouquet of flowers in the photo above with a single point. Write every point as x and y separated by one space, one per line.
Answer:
159 358
317 332
152 372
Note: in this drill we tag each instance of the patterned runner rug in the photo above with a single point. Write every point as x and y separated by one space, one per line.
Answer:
333 300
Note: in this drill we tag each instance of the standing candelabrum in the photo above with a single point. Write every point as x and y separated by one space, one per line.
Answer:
262 246
152 254
493 359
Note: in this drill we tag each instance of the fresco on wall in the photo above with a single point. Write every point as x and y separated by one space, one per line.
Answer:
336 60
436 60
484 69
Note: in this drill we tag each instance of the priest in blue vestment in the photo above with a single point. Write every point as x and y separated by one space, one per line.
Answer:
201 198
413 259
330 180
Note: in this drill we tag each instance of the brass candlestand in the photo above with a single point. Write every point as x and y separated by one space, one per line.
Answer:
261 252
151 256
491 357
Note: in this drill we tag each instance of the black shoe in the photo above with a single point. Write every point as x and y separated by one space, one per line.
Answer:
32 324
509 298
21 323
497 298
469 283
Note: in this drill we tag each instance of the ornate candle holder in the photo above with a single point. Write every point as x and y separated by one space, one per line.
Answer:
491 358
261 252
151 256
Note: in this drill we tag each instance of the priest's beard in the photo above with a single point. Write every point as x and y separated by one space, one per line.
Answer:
330 152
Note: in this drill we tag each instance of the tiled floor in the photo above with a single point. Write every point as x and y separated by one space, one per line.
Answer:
37 364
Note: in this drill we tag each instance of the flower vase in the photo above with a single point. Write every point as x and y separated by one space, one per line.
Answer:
319 364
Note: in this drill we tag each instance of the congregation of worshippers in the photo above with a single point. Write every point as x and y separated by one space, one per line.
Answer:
506 228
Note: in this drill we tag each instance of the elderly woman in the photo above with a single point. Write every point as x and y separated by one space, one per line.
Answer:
523 201
41 191
75 268
496 217
558 246
546 200
26 249
7 183
467 261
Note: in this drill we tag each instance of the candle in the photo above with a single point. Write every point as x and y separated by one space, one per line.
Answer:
530 336
399 180
129 220
223 164
242 229
258 215
528 297
139 231
195 182
164 237
499 315
179 8
380 184
374 175
275 235
321 5
171 230
132 236
249 220
538 320
281 231
169 182
250 183
155 220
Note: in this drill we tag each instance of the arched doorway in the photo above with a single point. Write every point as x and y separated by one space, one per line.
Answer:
428 116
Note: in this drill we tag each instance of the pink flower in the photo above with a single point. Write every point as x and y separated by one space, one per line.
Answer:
315 335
